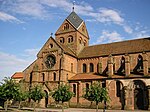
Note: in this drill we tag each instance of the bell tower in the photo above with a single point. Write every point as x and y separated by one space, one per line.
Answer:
73 33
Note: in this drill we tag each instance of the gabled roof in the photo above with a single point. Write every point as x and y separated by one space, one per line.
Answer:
74 19
17 75
63 47
129 46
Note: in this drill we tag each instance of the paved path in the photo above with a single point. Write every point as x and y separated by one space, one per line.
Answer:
85 110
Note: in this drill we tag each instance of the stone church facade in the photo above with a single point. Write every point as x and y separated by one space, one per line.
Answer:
122 67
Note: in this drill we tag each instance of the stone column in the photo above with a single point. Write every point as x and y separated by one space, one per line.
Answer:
127 65
110 66
145 64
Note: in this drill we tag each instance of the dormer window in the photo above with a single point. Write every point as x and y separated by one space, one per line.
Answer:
66 26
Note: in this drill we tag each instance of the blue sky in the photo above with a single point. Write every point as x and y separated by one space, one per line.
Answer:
25 25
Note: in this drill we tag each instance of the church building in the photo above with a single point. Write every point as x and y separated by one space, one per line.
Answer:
122 67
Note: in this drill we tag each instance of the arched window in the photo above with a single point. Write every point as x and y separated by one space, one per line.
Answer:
70 39
54 76
62 40
83 29
140 62
43 77
80 40
50 45
74 89
118 88
71 67
87 87
91 67
84 68
121 69
84 42
66 26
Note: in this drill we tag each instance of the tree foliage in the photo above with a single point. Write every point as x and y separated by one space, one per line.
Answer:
62 94
8 90
36 93
96 93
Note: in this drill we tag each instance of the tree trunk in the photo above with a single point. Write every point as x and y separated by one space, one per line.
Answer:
6 105
34 105
62 106
19 107
96 107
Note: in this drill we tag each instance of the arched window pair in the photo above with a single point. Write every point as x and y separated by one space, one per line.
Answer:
70 39
66 26
85 68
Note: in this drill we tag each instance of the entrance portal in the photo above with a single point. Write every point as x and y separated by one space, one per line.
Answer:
140 95
138 99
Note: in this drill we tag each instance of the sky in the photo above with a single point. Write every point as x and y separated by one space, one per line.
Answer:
25 25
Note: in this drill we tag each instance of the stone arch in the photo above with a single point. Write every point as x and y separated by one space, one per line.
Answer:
139 93
139 66
121 69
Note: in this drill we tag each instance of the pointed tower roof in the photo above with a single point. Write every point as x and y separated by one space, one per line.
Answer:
75 20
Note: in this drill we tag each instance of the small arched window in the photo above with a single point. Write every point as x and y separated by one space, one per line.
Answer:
54 76
140 62
80 40
91 67
87 87
43 77
66 26
84 42
50 45
70 39
71 67
84 68
74 89
62 40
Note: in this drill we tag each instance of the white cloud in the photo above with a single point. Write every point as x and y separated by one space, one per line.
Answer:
108 37
109 15
11 63
6 17
128 29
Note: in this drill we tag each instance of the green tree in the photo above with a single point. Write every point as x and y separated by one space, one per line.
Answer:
36 94
8 90
21 95
97 94
62 94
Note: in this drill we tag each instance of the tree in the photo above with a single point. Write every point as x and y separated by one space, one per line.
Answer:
36 94
97 94
63 94
8 90
20 96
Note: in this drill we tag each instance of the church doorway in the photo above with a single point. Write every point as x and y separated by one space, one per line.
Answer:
140 95
46 98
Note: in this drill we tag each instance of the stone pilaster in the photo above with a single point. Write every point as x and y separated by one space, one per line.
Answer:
79 94
145 64
148 89
110 66
127 65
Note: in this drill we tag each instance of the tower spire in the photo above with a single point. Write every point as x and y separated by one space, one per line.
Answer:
73 6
